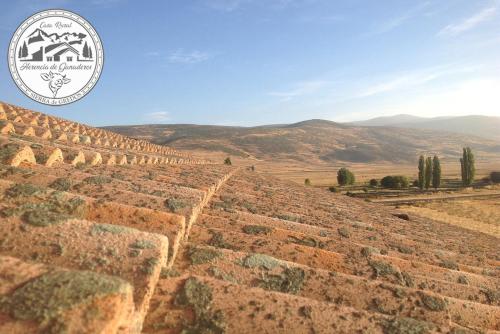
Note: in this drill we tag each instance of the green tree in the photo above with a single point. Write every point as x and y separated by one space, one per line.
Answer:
467 164
428 172
421 172
394 182
436 172
345 177
495 177
373 182
227 161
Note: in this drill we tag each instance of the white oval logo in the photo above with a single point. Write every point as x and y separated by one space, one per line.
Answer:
55 57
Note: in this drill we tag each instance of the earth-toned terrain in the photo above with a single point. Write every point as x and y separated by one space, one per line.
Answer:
102 233
318 142
476 125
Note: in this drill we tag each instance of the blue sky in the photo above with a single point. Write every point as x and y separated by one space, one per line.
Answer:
250 62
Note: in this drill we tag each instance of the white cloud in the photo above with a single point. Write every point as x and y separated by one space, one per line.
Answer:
391 24
300 89
484 15
321 19
412 79
403 81
233 5
226 5
188 57
152 54
397 21
158 116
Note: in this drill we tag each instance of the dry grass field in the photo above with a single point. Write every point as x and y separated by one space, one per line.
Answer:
481 215
326 175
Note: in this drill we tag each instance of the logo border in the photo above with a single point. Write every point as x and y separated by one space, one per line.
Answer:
26 93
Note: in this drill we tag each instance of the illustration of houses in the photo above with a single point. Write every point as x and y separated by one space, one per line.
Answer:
61 51
38 55
55 48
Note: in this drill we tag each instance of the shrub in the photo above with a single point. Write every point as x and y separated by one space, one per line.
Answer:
307 182
80 166
344 232
23 190
332 189
174 204
61 184
151 175
290 281
260 261
149 264
257 229
345 177
373 182
495 177
227 161
203 255
41 158
97 180
7 151
394 182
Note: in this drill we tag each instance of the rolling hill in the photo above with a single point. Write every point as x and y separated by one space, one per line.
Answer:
316 141
477 125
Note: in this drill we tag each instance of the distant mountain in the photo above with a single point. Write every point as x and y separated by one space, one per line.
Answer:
39 35
390 120
314 141
483 126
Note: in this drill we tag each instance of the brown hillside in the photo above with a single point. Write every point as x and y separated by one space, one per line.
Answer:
315 141
101 233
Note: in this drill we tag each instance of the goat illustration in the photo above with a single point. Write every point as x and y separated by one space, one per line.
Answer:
56 81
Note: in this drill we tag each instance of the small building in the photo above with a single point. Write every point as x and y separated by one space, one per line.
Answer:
61 52
38 55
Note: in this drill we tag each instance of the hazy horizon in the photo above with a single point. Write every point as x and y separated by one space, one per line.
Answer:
256 62
304 120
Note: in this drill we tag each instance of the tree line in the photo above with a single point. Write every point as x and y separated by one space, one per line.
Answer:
429 171
429 174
